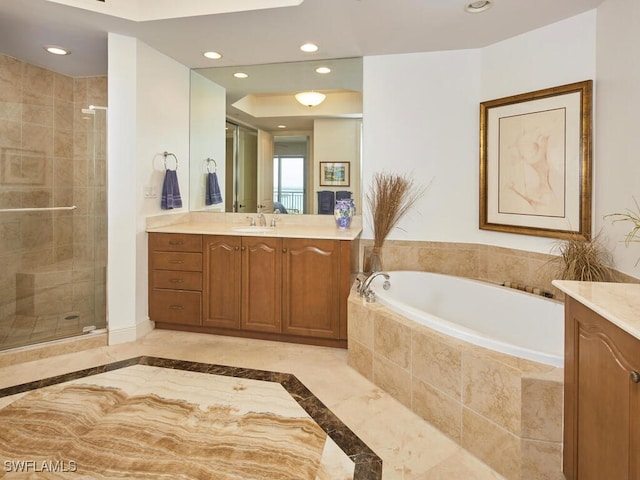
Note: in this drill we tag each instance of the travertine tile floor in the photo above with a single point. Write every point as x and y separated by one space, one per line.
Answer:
410 448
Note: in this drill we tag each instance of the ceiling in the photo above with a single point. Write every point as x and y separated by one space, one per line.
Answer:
259 35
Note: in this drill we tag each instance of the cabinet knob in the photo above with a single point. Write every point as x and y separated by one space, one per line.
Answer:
176 307
176 262
176 280
243 248
284 250
236 248
635 377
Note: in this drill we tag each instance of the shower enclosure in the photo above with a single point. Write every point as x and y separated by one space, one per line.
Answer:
52 205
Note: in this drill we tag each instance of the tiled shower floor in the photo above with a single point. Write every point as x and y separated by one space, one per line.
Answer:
21 330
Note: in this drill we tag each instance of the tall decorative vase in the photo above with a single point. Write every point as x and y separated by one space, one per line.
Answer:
343 212
372 260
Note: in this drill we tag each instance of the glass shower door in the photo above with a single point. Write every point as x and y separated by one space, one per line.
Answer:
52 224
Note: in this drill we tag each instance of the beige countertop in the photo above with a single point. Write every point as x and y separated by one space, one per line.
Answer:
292 226
617 302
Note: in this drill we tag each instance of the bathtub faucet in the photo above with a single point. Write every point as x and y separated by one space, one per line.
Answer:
366 291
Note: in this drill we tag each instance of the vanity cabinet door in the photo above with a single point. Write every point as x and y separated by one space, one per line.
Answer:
261 284
311 287
222 281
602 398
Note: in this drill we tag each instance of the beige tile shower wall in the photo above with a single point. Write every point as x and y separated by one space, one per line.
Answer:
45 149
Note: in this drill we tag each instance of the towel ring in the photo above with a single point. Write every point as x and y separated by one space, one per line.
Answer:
215 165
167 154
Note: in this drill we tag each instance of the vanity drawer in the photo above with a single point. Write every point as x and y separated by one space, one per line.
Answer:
175 242
189 262
177 280
179 307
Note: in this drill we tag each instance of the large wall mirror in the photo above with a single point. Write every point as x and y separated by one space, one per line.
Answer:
256 147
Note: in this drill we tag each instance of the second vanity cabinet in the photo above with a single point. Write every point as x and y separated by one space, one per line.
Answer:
243 282
602 398
292 289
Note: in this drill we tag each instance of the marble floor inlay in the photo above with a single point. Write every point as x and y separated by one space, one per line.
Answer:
154 417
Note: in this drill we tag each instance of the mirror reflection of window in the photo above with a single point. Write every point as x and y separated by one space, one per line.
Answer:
288 184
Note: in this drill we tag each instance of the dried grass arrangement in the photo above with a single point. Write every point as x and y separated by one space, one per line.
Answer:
584 260
633 217
390 197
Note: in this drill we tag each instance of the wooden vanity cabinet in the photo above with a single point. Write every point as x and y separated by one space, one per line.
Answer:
602 398
288 289
243 283
222 281
312 287
175 278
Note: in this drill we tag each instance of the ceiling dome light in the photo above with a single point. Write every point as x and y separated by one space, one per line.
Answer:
212 55
56 50
240 75
323 70
478 6
309 47
310 99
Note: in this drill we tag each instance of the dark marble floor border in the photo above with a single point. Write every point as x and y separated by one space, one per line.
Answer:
368 466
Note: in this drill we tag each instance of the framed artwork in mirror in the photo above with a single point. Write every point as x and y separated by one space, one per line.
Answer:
535 162
334 174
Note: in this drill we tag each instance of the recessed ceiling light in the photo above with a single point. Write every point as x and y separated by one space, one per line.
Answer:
479 6
212 55
240 75
282 126
309 47
56 50
323 70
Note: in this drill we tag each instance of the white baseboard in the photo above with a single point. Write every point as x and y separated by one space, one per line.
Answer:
130 334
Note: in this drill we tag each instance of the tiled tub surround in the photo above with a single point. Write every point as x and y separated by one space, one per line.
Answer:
484 262
505 410
42 131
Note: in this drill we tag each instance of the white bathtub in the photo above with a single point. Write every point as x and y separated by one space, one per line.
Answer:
499 318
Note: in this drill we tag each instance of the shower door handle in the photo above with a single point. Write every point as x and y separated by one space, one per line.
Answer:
39 209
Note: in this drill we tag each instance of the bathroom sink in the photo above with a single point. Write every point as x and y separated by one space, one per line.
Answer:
255 229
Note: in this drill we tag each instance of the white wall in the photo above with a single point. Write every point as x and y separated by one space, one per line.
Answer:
421 119
148 114
121 178
337 140
421 116
207 131
617 146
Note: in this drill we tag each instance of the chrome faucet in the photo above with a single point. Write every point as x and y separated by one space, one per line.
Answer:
275 219
262 222
365 289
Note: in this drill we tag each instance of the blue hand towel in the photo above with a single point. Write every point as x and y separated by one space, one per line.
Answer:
213 194
170 191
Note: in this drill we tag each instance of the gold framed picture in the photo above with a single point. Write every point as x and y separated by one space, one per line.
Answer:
334 174
535 162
